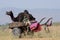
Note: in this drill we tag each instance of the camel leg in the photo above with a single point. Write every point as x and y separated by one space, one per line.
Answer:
45 28
28 30
22 31
48 29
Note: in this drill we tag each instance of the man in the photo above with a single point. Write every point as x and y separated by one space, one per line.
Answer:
33 24
30 17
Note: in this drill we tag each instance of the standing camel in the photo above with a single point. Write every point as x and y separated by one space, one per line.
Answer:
47 25
20 17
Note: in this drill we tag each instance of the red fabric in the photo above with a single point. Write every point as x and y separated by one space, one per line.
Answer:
38 28
33 26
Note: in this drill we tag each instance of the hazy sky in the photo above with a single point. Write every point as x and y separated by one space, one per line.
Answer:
30 3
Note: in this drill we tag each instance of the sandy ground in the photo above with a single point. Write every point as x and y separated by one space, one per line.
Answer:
42 35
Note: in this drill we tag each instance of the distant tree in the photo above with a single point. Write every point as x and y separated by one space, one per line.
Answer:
0 25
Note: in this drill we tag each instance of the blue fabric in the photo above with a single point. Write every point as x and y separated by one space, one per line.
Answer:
16 31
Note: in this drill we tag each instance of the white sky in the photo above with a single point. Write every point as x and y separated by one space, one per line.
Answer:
30 3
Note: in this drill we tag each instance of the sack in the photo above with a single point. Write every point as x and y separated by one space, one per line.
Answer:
38 28
35 27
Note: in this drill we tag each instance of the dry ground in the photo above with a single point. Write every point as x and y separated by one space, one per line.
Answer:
5 34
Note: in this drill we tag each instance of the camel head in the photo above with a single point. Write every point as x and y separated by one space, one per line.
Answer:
9 13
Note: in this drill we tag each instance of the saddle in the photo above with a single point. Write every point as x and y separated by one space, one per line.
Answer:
16 24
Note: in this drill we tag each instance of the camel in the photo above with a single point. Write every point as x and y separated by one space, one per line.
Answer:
46 28
20 17
16 19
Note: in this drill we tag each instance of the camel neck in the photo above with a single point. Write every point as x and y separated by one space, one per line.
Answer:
12 16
